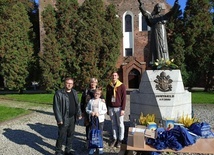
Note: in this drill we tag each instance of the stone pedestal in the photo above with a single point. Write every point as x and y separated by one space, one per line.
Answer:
161 92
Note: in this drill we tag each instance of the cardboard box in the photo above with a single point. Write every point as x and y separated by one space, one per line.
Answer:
140 126
168 124
150 133
138 140
137 135
152 126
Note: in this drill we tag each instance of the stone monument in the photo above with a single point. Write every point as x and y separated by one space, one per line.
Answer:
161 92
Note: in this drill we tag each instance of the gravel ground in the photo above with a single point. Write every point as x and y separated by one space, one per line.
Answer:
35 134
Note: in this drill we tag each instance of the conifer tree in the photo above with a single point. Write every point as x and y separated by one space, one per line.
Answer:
98 41
111 38
15 46
68 20
35 71
89 39
51 60
212 9
175 29
198 41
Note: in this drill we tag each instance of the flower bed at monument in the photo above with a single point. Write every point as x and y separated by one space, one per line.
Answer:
164 64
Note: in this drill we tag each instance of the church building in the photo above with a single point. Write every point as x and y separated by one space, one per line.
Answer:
134 52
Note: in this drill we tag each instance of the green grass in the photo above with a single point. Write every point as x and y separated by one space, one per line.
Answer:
199 97
31 100
34 98
8 113
24 102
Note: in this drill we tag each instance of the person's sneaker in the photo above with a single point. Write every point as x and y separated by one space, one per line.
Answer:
100 150
113 143
91 151
119 144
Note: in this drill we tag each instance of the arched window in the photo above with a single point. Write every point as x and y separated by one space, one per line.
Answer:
128 23
128 35
143 24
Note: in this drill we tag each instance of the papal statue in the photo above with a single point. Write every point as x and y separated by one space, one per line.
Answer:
157 22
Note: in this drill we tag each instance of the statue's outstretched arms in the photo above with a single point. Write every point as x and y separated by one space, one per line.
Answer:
140 2
143 10
175 6
174 9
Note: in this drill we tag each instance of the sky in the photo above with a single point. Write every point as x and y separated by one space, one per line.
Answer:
181 2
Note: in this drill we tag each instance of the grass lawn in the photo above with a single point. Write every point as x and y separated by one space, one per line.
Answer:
8 113
200 97
32 100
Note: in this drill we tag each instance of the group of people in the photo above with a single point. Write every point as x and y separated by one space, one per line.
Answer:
67 110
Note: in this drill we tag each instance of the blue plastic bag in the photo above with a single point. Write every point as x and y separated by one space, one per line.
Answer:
95 135
95 139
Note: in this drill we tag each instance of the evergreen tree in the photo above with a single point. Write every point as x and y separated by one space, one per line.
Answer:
175 29
15 46
98 41
81 42
212 10
35 71
89 40
111 38
68 20
28 4
198 41
50 60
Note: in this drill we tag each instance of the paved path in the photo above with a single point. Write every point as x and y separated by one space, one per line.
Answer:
36 134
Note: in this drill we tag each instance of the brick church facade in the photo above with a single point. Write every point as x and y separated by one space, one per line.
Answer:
134 51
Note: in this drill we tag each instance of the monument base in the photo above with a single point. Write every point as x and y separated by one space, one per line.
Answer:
161 92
